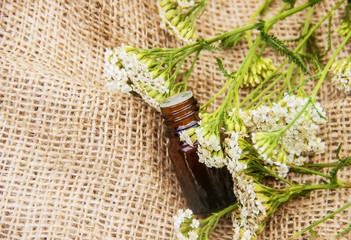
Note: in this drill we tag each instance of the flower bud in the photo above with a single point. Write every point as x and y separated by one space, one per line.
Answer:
184 31
190 34
181 25
237 127
281 156
168 6
170 14
230 126
175 20
164 2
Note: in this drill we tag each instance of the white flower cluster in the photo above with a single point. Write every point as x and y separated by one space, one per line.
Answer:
233 154
208 143
186 218
342 74
300 137
246 223
174 22
125 72
252 209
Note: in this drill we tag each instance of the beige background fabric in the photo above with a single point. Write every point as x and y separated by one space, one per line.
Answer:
78 162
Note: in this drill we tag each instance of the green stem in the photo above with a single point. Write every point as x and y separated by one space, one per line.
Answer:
259 87
321 220
227 34
219 214
330 62
309 170
307 25
278 177
264 91
217 94
243 69
190 70
302 81
287 13
287 81
293 80
321 165
297 117
300 45
252 18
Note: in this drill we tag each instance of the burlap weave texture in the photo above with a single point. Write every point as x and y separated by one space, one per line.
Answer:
78 162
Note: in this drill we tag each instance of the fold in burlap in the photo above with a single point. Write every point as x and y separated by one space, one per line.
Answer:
78 162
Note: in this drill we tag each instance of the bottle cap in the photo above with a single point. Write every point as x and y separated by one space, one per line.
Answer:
176 99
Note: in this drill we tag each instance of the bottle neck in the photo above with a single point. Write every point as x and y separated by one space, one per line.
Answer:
180 113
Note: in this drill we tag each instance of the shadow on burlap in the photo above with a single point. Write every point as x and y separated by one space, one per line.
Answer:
79 162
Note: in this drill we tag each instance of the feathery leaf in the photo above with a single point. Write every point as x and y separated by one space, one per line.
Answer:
280 48
343 163
314 2
344 231
221 67
329 36
207 46
232 40
291 2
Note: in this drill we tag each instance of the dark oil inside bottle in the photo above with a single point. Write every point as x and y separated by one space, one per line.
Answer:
206 190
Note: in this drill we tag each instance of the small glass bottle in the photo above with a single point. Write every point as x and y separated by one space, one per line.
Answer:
206 190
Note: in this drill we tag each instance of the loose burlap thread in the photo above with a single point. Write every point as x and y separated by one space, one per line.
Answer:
78 162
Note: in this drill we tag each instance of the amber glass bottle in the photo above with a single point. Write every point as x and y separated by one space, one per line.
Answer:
206 190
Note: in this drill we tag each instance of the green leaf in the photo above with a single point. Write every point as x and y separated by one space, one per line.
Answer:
313 234
260 25
232 40
329 36
319 113
280 48
314 2
221 67
291 2
264 9
343 163
207 46
294 39
314 62
313 49
344 231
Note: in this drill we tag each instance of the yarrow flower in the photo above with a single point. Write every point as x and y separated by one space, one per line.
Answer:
342 74
254 200
264 123
178 17
207 138
128 71
258 71
345 25
186 226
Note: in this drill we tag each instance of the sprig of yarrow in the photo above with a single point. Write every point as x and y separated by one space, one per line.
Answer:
342 74
160 66
256 203
178 17
345 25
265 139
150 73
279 144
267 143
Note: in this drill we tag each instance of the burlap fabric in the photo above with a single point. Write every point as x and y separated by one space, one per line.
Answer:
78 162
